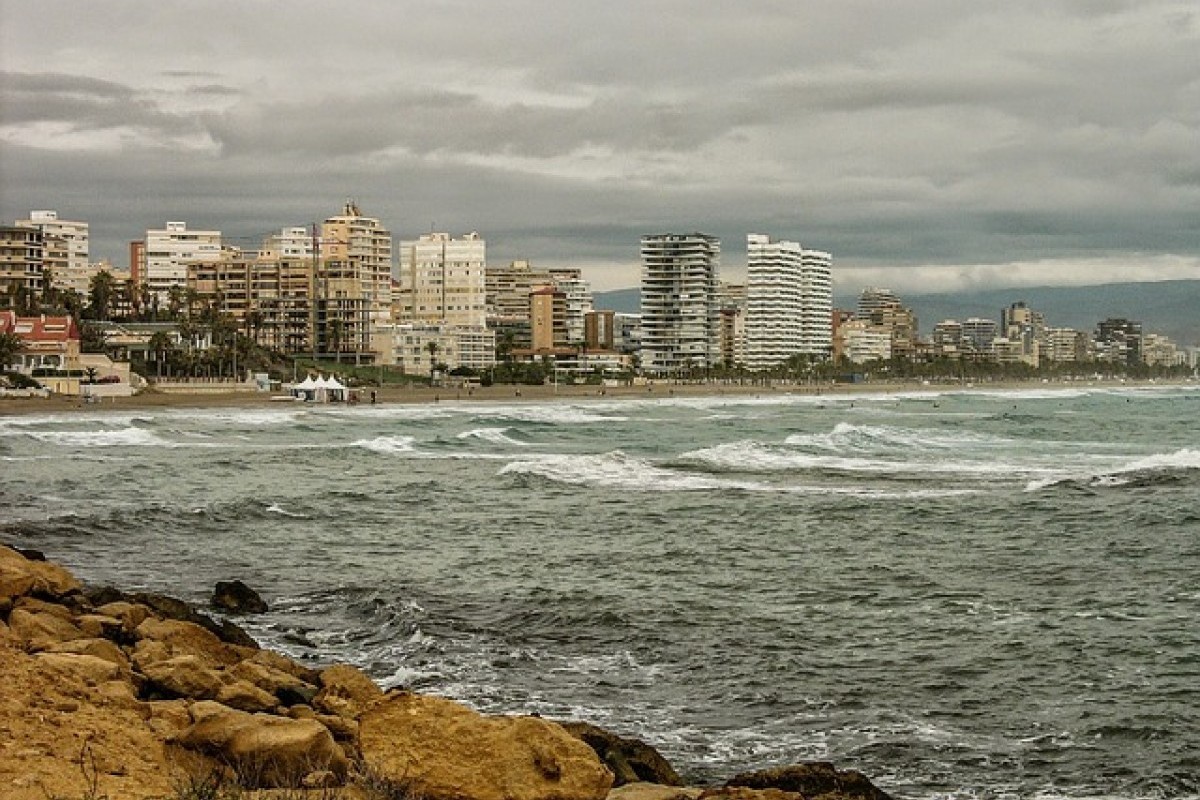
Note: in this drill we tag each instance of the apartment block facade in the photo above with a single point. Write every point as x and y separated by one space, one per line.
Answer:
681 315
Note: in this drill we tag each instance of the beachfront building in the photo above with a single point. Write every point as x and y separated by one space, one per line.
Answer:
166 253
1119 340
65 254
978 335
577 303
789 302
731 299
417 349
21 251
354 279
680 310
1065 345
873 299
862 340
49 344
442 280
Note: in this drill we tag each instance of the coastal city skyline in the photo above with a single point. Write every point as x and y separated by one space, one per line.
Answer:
933 148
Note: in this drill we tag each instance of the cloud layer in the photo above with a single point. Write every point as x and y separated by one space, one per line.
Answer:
924 143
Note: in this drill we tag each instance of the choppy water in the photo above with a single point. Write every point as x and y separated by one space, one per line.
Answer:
963 595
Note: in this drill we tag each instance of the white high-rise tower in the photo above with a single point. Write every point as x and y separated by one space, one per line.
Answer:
789 302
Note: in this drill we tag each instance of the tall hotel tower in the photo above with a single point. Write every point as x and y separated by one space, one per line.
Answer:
789 302
681 315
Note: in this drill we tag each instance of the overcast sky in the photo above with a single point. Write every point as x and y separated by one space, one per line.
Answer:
928 144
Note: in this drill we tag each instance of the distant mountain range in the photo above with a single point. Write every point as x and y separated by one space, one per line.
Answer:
1167 307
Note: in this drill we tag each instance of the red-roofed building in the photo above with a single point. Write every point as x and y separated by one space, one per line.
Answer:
48 342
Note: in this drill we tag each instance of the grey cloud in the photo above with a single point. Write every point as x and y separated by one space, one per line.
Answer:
83 102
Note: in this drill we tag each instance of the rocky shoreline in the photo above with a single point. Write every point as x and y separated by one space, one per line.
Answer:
108 694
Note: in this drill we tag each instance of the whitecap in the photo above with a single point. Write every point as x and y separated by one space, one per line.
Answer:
619 471
122 437
492 435
389 445
847 435
275 508
1183 459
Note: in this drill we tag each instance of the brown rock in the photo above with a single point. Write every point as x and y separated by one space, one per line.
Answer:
653 791
102 627
39 630
147 652
100 648
235 597
19 576
343 729
441 750
282 663
91 670
188 638
263 751
183 676
287 688
35 606
814 780
346 691
630 760
130 614
168 717
173 608
245 696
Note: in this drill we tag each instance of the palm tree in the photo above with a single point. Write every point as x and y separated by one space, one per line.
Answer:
10 345
433 348
161 344
101 292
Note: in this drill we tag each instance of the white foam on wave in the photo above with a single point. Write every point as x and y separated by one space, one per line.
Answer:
493 436
248 418
18 425
749 456
122 437
1183 459
275 508
617 470
849 436
548 413
388 445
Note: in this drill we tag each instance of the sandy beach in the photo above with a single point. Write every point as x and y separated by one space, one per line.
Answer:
510 393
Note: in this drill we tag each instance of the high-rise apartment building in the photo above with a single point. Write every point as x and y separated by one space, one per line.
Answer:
873 299
681 316
577 296
66 249
355 285
789 302
442 280
167 252
21 252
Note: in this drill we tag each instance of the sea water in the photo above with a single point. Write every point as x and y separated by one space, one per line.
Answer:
960 593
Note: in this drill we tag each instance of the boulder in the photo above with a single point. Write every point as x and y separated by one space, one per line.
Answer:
235 597
99 648
90 670
654 791
269 658
263 751
20 576
104 627
130 614
287 688
245 696
629 760
183 676
188 638
39 630
346 692
441 750
174 608
814 780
